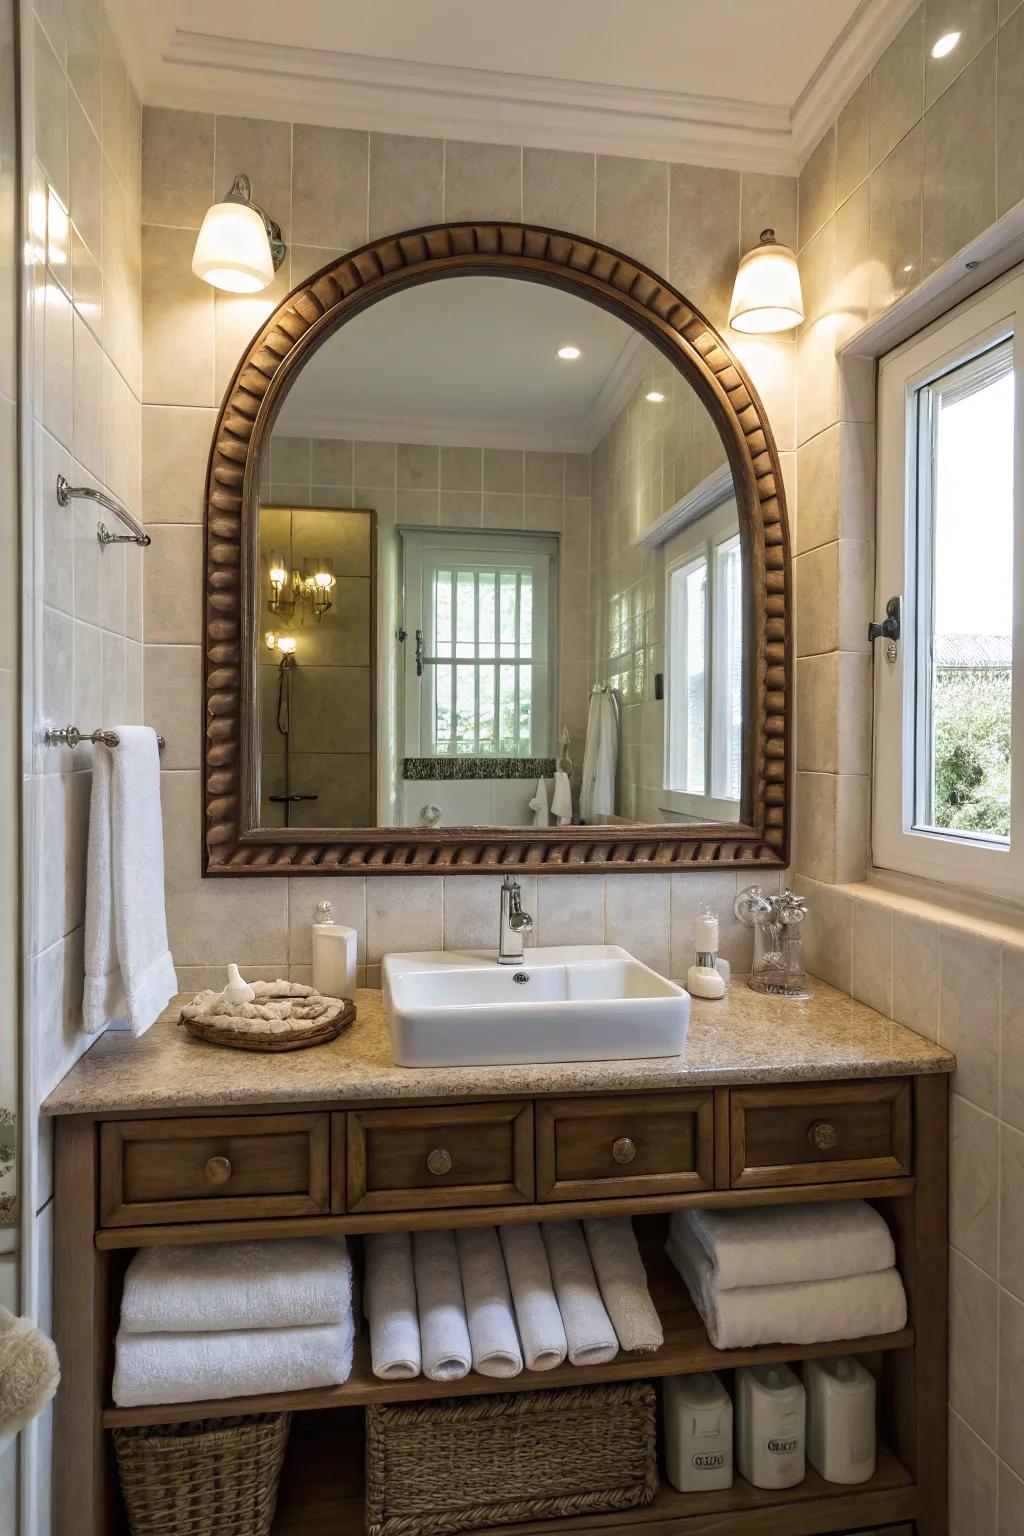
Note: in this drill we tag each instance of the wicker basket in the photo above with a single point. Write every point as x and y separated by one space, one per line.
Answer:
465 1463
214 1477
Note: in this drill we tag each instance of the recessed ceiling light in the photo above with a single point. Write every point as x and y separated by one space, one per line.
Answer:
569 353
655 397
909 267
946 43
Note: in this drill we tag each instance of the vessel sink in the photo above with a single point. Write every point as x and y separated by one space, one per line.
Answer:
588 1002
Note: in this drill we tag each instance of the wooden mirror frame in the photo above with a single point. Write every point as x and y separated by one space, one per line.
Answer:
316 309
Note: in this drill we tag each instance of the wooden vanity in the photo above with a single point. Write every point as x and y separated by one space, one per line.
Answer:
167 1140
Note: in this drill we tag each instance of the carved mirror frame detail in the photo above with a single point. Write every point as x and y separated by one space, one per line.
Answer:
312 312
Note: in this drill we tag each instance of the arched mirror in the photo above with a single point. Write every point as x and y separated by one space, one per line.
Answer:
496 573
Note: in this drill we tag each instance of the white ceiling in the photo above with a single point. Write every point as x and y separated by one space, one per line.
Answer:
470 361
735 82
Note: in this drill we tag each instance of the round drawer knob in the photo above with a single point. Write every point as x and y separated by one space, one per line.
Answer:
440 1160
823 1135
623 1150
217 1170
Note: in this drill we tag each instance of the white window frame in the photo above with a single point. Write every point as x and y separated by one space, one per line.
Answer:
704 539
950 857
423 552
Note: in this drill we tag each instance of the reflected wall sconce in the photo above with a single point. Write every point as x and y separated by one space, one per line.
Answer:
284 645
312 587
239 246
766 295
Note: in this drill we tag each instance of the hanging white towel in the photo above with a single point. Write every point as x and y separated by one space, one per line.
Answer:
199 1367
781 1244
623 1281
444 1333
561 798
492 1327
600 756
539 804
533 1296
589 1332
128 967
390 1306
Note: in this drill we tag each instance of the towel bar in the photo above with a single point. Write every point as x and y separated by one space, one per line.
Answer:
70 736
138 534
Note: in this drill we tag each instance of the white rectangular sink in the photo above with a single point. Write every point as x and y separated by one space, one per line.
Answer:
587 1002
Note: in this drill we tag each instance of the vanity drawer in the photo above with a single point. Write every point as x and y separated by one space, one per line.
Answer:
430 1159
819 1135
626 1144
154 1171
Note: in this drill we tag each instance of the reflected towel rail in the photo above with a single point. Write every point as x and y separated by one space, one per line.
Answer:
71 736
138 535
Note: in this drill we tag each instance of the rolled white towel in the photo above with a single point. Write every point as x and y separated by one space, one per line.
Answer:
802 1312
301 1282
444 1334
390 1305
783 1243
533 1296
492 1327
623 1281
191 1367
588 1328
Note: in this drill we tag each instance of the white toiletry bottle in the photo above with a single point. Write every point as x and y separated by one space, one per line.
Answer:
840 1419
704 979
770 1426
698 1432
334 954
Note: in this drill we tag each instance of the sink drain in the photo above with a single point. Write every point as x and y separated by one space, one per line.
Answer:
521 977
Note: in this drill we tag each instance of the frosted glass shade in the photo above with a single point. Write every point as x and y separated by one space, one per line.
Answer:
766 295
232 251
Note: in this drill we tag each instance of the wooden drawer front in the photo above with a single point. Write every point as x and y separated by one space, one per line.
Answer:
641 1144
819 1135
422 1159
214 1170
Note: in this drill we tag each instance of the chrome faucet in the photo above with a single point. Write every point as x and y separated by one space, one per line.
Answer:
514 923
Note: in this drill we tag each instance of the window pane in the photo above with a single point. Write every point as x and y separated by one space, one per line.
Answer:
443 613
965 598
727 752
696 630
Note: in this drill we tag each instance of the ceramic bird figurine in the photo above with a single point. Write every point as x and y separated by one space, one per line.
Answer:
238 989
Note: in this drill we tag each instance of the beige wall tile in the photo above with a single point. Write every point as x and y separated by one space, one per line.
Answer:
817 707
263 151
972 1482
544 474
570 909
872 955
1011 1502
969 1014
115 101
975 20
828 931
1011 1211
482 181
88 399
461 509
174 585
852 294
237 319
973 1328
637 917
83 40
329 186
418 467
632 208
504 469
853 826
960 162
559 187
175 447
58 378
403 912
915 973
306 260
818 474
818 186
1011 1382
472 910
85 179
854 735
815 826
895 213
817 378
974 1186
172 684
122 429
176 304
688 894
406 182
817 600
331 462
347 895
897 89
374 464
856 593
1010 114
852 154
703 235
857 390
51 112
1011 1105
771 363
113 691
767 202
177 167
462 469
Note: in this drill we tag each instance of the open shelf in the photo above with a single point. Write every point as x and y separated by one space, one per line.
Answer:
322 1495
686 1349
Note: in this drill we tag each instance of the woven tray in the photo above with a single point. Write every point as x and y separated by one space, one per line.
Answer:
467 1463
211 1477
284 1029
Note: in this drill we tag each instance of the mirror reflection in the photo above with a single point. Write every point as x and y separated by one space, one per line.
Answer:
501 581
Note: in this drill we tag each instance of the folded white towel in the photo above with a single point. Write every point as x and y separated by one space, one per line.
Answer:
492 1327
777 1244
588 1328
539 804
561 798
209 1288
804 1312
444 1334
128 966
189 1367
623 1281
533 1296
390 1305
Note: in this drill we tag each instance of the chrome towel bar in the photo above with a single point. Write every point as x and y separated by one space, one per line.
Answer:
138 535
70 736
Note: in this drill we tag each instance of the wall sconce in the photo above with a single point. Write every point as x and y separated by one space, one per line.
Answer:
284 645
280 600
311 587
767 296
318 584
239 246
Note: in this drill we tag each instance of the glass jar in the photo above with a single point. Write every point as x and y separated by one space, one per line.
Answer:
778 965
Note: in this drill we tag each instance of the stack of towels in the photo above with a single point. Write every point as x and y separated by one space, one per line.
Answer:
493 1300
234 1319
789 1274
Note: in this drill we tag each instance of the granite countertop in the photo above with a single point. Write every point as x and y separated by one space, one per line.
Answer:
744 1038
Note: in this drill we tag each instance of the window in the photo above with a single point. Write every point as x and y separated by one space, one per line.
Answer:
704 668
479 623
949 764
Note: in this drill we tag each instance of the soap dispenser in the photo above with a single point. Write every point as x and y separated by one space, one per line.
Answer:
334 954
770 1426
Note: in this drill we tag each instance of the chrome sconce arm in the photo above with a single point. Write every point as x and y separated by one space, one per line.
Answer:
241 192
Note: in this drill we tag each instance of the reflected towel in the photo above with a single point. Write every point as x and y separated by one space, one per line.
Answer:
539 804
588 1328
561 798
784 1243
533 1296
492 1327
623 1281
444 1333
390 1306
189 1367
600 756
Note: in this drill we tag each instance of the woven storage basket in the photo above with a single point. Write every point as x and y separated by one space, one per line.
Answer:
214 1477
465 1463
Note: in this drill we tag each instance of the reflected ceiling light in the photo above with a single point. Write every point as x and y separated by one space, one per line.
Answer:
946 43
569 353
655 396
766 296
239 246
